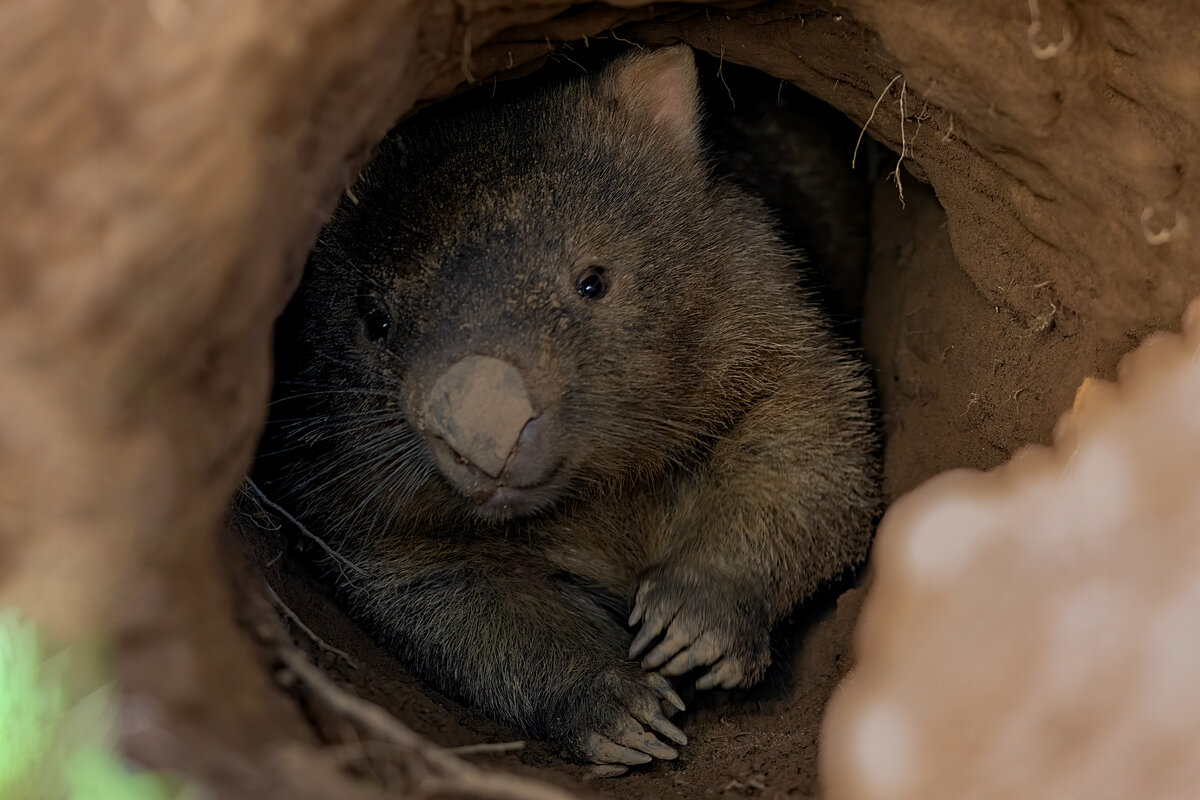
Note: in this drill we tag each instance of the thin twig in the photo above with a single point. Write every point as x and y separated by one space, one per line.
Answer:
486 747
721 75
624 41
950 132
283 512
299 623
449 774
465 62
895 174
867 124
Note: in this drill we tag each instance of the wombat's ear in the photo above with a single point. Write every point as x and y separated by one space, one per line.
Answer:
661 86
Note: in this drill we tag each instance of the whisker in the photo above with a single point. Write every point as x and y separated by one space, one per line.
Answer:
321 392
395 466
380 443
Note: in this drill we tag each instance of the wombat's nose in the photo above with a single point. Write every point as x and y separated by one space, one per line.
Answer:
478 407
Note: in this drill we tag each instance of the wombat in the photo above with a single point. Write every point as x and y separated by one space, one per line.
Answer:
555 393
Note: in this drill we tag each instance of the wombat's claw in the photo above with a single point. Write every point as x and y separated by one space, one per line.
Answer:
653 623
727 675
673 702
621 719
608 770
697 631
627 743
639 607
603 750
648 712
683 645
703 651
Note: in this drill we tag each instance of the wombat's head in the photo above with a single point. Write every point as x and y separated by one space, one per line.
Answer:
532 300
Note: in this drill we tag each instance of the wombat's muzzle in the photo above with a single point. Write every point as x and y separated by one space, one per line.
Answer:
485 432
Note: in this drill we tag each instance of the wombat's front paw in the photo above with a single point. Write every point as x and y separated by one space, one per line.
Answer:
615 721
708 621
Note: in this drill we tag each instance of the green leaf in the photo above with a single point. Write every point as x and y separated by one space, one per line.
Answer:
30 706
56 724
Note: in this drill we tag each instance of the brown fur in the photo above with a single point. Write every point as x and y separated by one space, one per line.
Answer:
714 445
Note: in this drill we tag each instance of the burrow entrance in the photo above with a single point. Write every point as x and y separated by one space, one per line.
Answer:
963 378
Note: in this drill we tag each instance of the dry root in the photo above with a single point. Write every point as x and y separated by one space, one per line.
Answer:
432 771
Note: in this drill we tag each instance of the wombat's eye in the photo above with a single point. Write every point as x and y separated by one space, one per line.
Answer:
377 324
592 284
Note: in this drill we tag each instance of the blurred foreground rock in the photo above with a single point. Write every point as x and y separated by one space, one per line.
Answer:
1031 631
